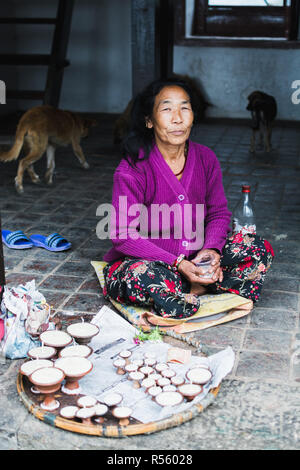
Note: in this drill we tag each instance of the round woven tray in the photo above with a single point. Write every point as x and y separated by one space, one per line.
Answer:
111 427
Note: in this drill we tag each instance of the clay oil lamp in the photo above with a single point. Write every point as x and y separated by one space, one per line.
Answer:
147 383
154 391
168 373
150 361
100 410
155 376
78 350
136 377
120 366
112 399
163 381
48 381
160 366
122 413
56 338
169 398
169 388
138 362
30 366
131 368
86 414
199 375
68 412
86 401
83 332
125 355
190 391
74 369
177 380
147 370
42 352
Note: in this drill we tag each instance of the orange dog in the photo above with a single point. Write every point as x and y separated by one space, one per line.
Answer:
42 129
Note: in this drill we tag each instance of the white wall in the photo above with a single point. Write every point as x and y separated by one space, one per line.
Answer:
99 78
229 75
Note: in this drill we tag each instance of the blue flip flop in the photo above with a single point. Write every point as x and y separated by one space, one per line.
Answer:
16 240
54 242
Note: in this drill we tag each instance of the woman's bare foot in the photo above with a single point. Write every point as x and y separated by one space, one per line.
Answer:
197 289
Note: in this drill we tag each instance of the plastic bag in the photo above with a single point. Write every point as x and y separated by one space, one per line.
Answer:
25 313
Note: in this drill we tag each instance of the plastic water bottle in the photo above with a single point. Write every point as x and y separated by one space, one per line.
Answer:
243 220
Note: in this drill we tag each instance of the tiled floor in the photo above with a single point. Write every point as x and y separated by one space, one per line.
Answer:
265 342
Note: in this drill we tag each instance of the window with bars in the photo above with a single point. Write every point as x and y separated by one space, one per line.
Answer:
262 19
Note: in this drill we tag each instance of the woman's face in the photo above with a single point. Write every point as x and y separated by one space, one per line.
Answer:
172 116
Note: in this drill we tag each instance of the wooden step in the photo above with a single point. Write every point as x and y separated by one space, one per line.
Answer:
29 59
27 20
25 94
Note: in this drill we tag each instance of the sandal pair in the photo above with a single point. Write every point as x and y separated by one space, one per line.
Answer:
19 241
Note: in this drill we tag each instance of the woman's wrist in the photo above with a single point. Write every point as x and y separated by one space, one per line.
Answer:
178 261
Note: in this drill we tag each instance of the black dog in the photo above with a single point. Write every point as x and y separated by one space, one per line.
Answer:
263 108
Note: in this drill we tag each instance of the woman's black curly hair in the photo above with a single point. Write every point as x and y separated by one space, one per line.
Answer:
139 136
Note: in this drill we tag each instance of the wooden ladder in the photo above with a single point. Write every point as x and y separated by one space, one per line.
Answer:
55 61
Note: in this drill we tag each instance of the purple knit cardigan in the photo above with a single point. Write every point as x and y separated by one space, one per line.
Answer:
153 184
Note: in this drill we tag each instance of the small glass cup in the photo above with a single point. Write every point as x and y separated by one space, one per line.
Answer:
205 265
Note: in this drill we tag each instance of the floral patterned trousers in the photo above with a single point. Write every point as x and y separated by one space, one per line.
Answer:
245 261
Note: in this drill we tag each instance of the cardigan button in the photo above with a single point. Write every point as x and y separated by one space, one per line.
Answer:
185 243
181 197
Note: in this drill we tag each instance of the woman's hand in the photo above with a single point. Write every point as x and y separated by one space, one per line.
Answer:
190 271
215 269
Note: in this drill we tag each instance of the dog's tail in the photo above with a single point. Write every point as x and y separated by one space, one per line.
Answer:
14 152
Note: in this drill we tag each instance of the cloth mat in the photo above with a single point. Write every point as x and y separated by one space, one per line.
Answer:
215 309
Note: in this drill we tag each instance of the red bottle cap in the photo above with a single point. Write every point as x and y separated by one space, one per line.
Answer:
246 188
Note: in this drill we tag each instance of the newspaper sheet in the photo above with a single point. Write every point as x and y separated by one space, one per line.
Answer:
115 335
